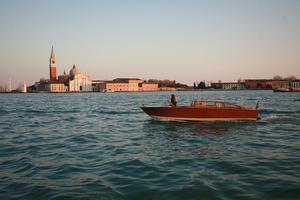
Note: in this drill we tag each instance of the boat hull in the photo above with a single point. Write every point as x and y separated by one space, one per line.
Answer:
201 114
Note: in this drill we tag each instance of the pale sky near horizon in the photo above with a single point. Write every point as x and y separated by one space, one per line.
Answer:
182 40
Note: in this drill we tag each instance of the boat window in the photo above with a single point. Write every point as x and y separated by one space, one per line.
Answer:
228 105
220 105
198 104
210 103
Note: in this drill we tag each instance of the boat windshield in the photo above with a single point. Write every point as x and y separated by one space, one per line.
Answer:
231 105
214 104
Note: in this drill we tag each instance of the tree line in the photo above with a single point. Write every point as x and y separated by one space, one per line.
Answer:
167 83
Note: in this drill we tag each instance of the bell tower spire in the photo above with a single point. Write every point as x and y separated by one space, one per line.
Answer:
52 53
52 66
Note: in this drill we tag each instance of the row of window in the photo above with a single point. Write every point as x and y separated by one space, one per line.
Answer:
296 84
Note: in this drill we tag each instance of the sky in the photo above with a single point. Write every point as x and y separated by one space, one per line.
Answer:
182 40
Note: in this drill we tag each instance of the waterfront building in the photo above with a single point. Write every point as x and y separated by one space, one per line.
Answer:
148 87
111 86
126 85
255 84
121 85
41 86
229 85
132 83
45 85
96 85
258 83
216 85
283 84
56 87
78 81
167 89
75 81
295 85
233 86
23 88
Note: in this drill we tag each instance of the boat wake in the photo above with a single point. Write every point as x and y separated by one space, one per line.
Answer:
271 111
278 117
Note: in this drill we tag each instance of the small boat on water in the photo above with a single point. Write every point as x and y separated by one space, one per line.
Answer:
282 90
204 111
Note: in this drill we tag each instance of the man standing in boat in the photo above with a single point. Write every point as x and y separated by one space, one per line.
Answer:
173 100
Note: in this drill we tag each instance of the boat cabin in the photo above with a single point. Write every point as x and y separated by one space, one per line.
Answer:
214 104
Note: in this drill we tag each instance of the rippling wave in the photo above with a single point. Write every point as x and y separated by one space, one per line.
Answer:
102 146
274 111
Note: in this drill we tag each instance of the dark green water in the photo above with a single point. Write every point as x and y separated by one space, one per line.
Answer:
102 146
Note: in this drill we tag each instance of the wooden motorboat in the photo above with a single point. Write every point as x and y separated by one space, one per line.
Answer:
204 111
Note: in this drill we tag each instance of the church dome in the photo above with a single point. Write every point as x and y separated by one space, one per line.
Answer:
74 71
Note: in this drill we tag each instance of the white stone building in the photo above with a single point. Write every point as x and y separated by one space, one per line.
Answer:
121 85
233 86
78 81
148 87
295 85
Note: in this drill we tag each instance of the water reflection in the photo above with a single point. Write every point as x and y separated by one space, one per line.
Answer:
197 128
180 140
165 144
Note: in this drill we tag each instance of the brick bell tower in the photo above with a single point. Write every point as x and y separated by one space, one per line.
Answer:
52 66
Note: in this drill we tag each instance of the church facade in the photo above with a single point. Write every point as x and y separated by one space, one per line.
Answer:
79 82
75 81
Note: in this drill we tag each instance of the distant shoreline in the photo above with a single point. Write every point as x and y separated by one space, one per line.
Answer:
180 90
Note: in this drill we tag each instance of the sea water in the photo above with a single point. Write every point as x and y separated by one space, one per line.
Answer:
102 146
